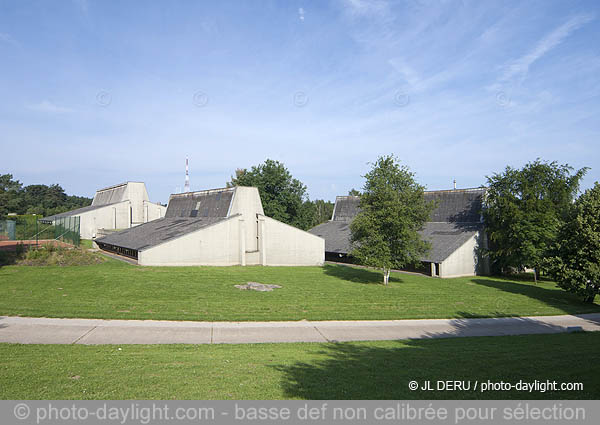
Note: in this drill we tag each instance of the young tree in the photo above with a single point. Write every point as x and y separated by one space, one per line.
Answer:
393 210
524 211
323 211
282 196
575 265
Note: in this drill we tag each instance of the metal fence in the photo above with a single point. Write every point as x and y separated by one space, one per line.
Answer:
29 228
8 230
66 229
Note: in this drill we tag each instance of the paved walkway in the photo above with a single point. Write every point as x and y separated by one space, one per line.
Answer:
27 330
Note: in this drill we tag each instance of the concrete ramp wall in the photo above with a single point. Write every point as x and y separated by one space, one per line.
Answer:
284 245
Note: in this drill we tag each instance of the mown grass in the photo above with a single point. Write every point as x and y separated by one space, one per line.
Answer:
115 290
362 370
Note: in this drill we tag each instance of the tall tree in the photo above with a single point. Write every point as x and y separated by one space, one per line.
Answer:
575 265
282 196
393 210
524 211
10 199
323 211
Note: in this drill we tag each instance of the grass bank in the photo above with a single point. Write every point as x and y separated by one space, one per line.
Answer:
365 370
115 290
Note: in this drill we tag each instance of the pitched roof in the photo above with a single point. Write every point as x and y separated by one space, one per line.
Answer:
336 234
458 205
455 220
186 213
346 208
206 203
445 238
110 195
157 231
71 213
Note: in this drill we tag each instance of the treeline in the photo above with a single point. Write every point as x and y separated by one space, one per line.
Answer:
37 199
534 217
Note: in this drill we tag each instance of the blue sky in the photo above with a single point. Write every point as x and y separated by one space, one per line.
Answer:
99 92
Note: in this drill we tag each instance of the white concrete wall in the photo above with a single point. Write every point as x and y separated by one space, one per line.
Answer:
115 216
246 201
153 211
136 193
216 245
463 261
284 245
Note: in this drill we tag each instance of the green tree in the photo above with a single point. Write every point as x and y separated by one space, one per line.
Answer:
393 210
283 197
353 192
35 199
10 200
524 211
323 211
575 265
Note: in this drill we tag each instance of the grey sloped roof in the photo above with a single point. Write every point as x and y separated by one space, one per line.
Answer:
208 203
455 219
346 208
157 231
110 195
78 211
336 235
445 238
458 205
462 206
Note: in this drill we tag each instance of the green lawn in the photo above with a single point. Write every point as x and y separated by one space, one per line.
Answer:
121 291
365 370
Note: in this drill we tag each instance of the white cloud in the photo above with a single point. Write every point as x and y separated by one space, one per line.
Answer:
519 68
47 106
301 14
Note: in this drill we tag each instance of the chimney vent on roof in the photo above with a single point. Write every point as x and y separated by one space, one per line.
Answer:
454 184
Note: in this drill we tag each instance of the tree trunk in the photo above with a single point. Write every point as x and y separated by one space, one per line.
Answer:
386 276
535 275
589 299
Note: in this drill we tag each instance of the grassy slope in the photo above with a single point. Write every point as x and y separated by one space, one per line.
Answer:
118 290
368 370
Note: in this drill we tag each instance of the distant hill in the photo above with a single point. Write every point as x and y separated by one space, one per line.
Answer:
36 198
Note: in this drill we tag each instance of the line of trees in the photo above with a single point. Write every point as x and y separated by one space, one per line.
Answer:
35 199
532 215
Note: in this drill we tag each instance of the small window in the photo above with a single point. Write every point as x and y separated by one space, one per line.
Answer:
197 205
205 213
219 196
194 213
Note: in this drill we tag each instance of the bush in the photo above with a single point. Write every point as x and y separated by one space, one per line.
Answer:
57 255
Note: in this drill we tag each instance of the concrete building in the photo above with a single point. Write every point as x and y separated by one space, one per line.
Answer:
220 227
455 232
116 207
